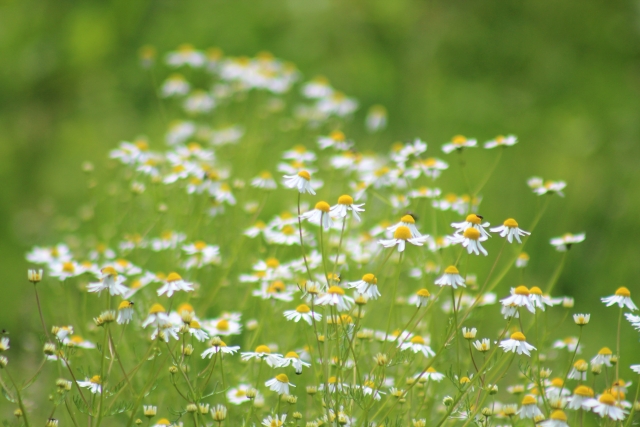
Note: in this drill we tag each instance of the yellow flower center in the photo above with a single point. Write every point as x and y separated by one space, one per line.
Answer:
272 262
124 304
511 223
558 414
535 290
222 325
303 308
529 400
583 391
336 290
518 336
471 233
332 380
430 162
283 378
277 287
288 230
408 219
557 382
95 379
336 135
156 308
173 277
370 278
459 140
185 307
623 292
194 324
265 175
474 219
304 174
423 293
323 206
68 267
417 340
200 245
402 232
263 349
522 290
164 422
607 399
451 270
605 351
431 370
109 271
292 355
345 200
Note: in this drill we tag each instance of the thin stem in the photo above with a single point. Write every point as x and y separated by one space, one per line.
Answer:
304 256
46 332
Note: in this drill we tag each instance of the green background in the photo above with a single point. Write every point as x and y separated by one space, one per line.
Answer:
563 76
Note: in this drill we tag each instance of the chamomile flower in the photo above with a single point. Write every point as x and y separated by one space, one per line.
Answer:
522 260
482 346
335 296
520 297
458 142
606 406
277 421
175 85
432 167
174 283
4 344
200 254
471 239
368 286
635 368
538 299
125 312
376 118
451 277
319 215
622 297
517 344
225 325
529 408
580 395
303 312
292 358
557 419
570 343
216 345
634 320
238 395
186 54
417 344
402 235
263 352
472 221
409 222
344 206
433 375
541 187
564 242
301 181
197 332
264 180
420 298
94 384
509 229
280 384
111 281
582 319
579 371
603 357
501 141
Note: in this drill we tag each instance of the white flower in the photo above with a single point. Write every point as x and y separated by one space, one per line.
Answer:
263 352
471 239
93 384
471 221
635 368
417 344
345 204
483 346
280 384
368 286
186 55
451 277
319 215
622 297
603 357
175 85
125 312
519 298
376 118
277 421
564 243
605 406
432 374
517 344
580 396
509 229
238 395
501 141
219 346
402 235
335 296
292 358
557 419
110 281
302 312
264 180
538 300
432 167
4 344
409 222
541 187
529 408
301 181
420 298
174 283
319 87
458 142
522 260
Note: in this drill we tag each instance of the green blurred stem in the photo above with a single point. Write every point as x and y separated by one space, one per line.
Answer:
573 357
393 296
304 256
19 396
46 332
490 173
103 358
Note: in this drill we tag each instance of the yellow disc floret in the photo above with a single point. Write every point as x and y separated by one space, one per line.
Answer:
518 336
157 308
125 304
402 232
370 278
417 340
605 351
345 200
283 378
559 415
511 223
173 277
583 391
336 290
222 325
471 233
607 399
522 290
305 175
109 271
303 308
408 219
423 293
451 270
263 349
323 206
529 400
474 219
534 290
623 292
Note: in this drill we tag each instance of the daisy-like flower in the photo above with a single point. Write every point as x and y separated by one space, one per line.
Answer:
335 296
581 394
4 344
582 319
557 419
197 332
538 300
317 88
218 346
186 54
420 298
301 181
606 406
409 222
634 320
277 421
110 281
529 408
174 283
302 312
227 324
622 297
280 384
570 343
509 229
162 422
238 395
376 118
368 286
517 344
458 142
472 221
175 85
432 374
635 368
417 344
520 297
603 357
564 242
93 384
482 346
579 371
125 312
344 206
471 239
451 277
501 141
264 180
541 187
319 215
263 352
522 260
402 235
292 358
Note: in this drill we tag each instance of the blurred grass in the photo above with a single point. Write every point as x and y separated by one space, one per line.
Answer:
563 76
